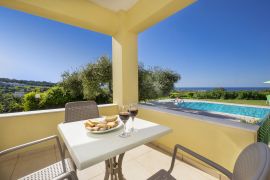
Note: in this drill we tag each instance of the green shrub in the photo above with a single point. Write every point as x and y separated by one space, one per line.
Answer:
15 107
264 131
255 95
221 93
201 95
190 94
182 95
103 98
54 97
1 108
9 103
30 102
230 95
174 95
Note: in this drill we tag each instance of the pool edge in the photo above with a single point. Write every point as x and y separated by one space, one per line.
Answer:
213 120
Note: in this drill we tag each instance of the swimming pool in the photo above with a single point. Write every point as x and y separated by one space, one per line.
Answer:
254 112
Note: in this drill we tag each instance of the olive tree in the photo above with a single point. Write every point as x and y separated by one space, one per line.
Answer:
156 82
72 83
97 80
94 82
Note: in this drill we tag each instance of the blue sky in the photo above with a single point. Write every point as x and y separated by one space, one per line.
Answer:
211 44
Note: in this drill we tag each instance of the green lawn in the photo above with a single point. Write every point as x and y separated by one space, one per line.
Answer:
239 101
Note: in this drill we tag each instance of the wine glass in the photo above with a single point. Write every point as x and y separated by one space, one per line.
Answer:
124 116
133 111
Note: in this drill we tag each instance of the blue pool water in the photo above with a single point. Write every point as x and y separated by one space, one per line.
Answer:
227 108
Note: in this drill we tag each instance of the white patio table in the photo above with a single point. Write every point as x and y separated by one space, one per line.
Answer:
87 149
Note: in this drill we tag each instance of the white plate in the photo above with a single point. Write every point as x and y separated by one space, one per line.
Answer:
120 124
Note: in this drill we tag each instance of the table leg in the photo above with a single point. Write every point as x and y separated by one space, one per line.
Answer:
114 168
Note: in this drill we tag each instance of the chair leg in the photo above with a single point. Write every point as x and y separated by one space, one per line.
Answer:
114 168
64 150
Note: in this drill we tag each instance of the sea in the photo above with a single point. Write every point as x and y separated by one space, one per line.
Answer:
203 89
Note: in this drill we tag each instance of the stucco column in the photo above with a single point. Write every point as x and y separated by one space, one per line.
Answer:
125 67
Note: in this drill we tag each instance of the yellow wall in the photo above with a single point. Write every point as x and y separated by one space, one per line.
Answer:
217 142
147 13
125 68
25 127
78 13
88 15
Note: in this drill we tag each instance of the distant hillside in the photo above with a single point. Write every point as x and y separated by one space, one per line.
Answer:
15 82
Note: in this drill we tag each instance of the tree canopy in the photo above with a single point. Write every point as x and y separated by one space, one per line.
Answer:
91 82
94 81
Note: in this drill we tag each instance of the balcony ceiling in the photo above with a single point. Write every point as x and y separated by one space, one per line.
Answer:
115 5
104 16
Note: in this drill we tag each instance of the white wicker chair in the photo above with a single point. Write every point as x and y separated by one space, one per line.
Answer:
59 171
252 164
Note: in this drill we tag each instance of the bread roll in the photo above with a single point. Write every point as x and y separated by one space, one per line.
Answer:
88 124
101 125
95 128
94 121
102 129
111 118
112 124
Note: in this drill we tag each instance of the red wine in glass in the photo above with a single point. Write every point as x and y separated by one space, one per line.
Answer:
133 110
124 116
